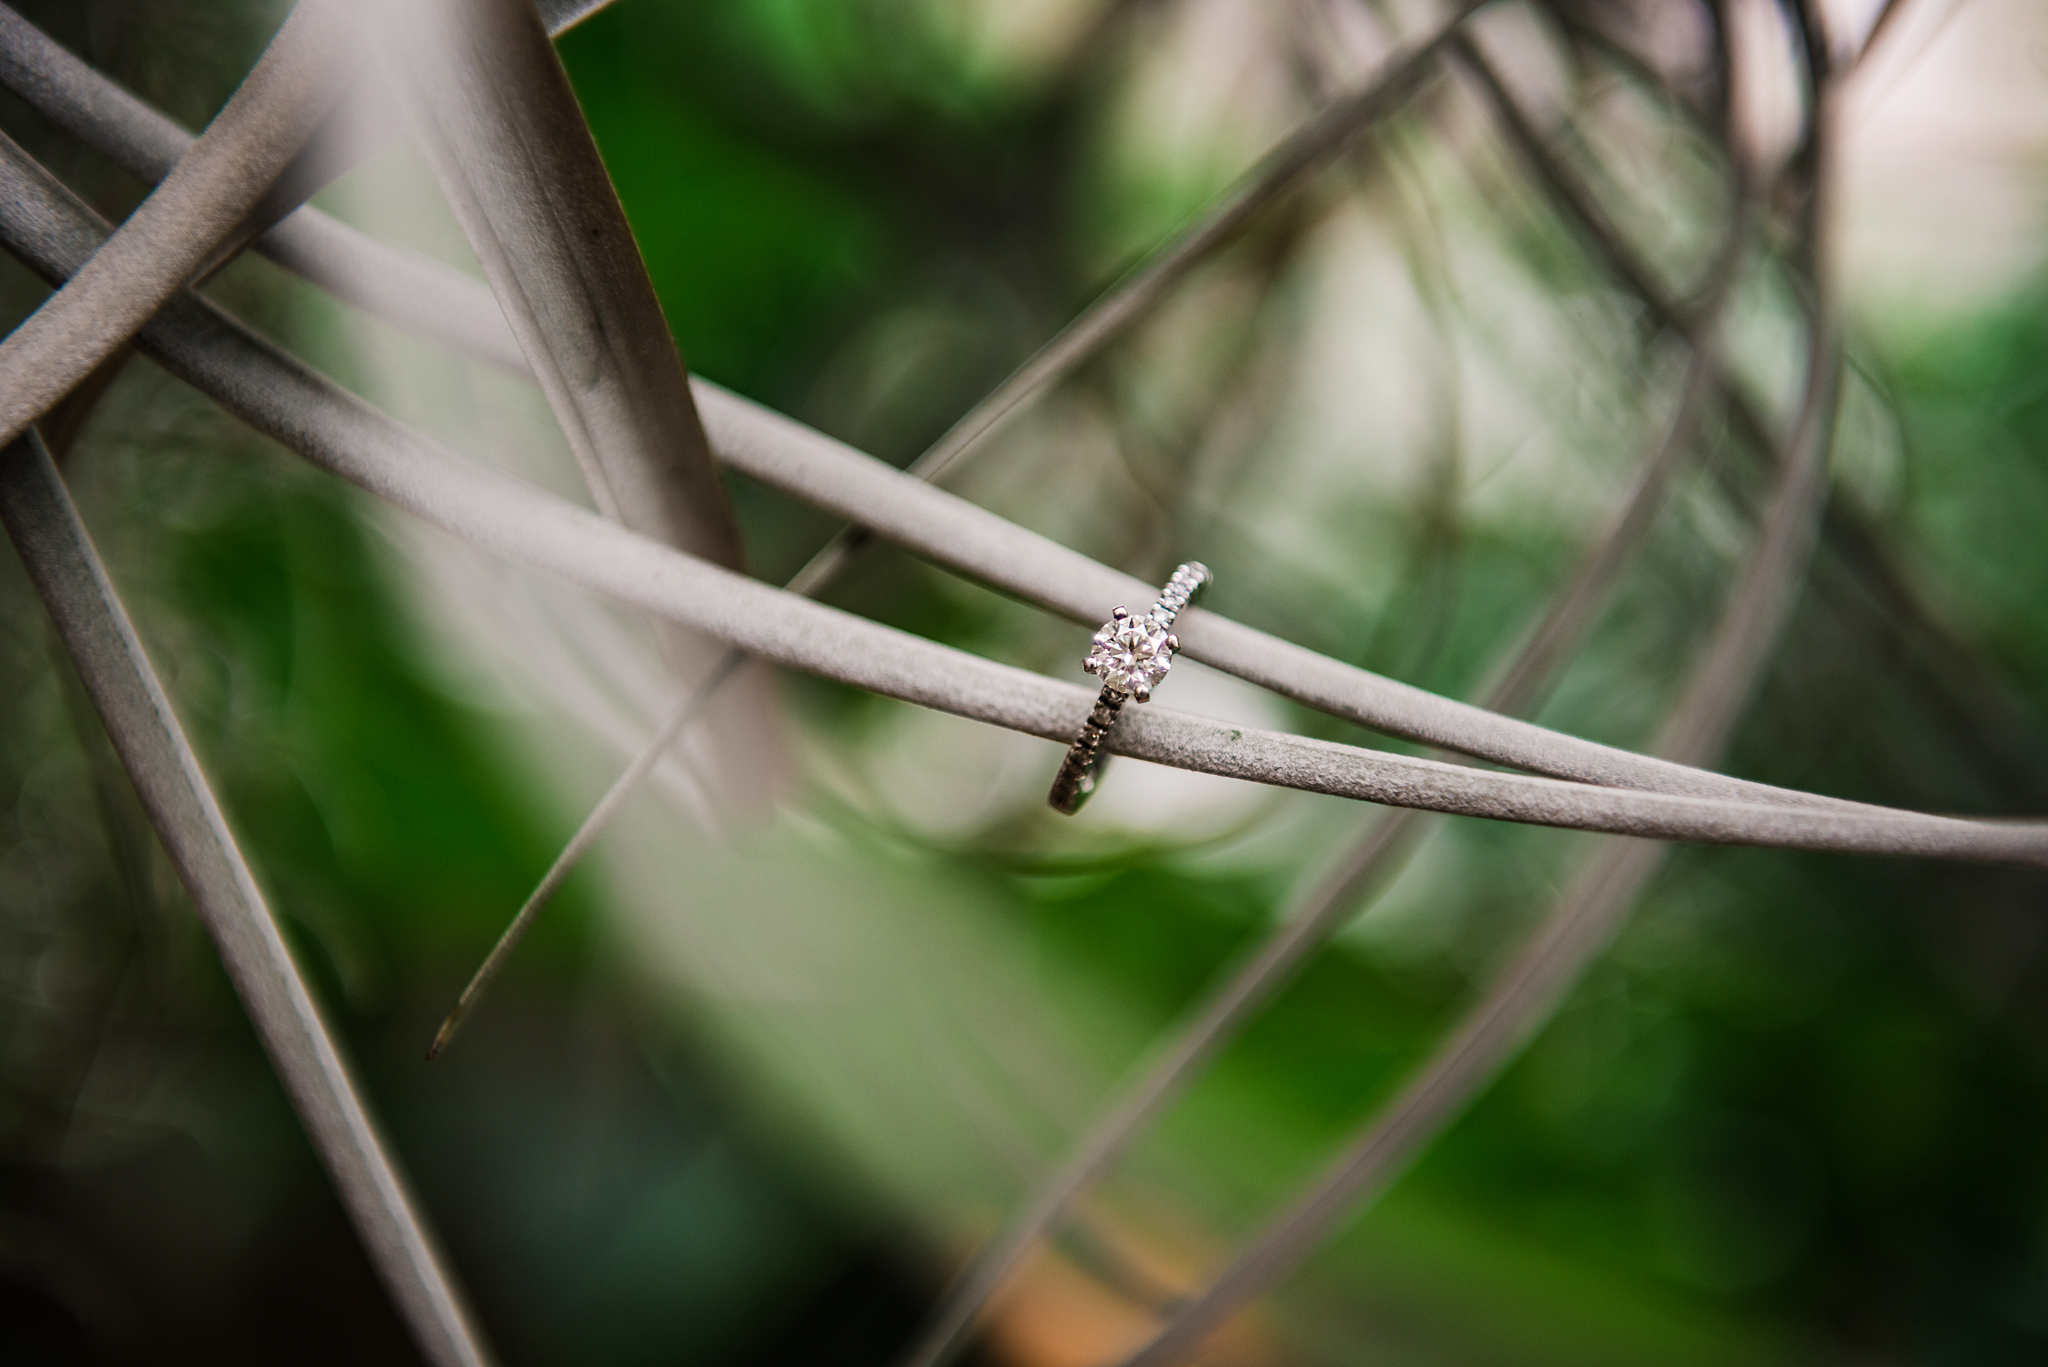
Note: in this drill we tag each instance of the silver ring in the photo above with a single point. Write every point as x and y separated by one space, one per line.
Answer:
1130 655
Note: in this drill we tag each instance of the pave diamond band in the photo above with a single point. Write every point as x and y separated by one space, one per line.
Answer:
1131 654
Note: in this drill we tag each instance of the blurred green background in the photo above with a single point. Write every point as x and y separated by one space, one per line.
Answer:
749 1098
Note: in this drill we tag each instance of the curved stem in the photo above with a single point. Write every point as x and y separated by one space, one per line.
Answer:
1586 918
1280 171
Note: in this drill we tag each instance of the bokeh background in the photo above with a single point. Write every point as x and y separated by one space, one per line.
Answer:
755 1088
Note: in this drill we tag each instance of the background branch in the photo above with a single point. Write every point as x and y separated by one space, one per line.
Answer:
1594 905
1306 150
1856 571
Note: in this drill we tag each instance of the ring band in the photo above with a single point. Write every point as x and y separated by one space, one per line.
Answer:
1130 655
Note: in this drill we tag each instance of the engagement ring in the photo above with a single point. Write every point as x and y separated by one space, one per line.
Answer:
1130 655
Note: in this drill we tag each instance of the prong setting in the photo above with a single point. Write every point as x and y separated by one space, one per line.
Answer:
1131 654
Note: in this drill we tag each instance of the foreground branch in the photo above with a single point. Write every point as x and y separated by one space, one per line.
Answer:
182 224
95 629
970 540
492 108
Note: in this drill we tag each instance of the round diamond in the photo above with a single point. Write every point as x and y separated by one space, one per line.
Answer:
1131 654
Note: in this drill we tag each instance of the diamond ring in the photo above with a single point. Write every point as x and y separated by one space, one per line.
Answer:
1130 655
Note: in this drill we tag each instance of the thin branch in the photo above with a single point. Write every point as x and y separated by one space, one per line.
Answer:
1579 26
623 787
492 108
970 540
61 560
811 580
1525 683
1586 918
1573 199
1370 864
1281 170
174 232
1454 1073
304 412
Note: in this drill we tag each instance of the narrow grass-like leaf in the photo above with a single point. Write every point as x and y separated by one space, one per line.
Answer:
102 643
184 221
494 112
